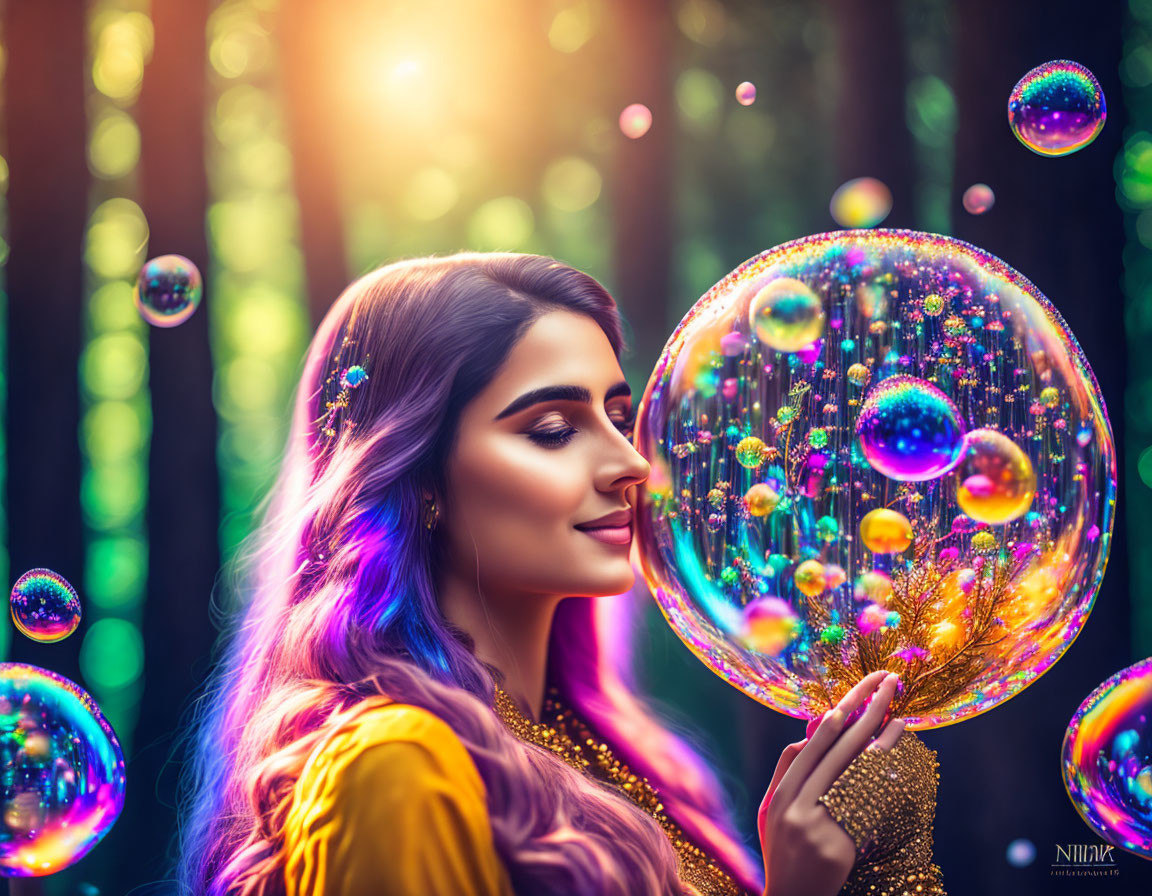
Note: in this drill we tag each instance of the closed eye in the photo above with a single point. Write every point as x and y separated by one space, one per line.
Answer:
557 436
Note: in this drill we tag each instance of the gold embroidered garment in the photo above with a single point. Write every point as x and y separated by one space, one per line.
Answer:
886 801
566 735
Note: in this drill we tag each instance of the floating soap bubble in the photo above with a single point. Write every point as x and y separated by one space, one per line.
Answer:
859 375
746 93
635 120
885 531
809 577
997 481
63 786
762 471
45 607
1057 108
1107 759
873 586
978 199
909 429
769 625
761 499
861 202
786 315
834 576
168 290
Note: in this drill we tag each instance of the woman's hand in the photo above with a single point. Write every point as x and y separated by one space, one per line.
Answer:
806 853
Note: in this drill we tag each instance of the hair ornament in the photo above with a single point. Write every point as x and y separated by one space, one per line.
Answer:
349 378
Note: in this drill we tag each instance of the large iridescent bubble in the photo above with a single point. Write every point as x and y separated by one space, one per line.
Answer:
63 783
818 512
1107 759
1057 108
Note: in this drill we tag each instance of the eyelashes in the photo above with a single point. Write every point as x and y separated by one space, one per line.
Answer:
556 437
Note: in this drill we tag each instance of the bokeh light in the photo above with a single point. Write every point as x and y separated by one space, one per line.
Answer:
861 202
745 93
1107 759
1021 852
978 199
1057 108
502 224
63 786
635 120
817 511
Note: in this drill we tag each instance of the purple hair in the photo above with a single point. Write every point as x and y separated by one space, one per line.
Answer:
335 605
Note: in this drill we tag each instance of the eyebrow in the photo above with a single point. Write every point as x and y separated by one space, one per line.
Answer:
560 393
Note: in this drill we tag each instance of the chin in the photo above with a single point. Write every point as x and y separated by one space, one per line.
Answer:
607 585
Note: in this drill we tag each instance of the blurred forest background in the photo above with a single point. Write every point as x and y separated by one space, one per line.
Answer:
287 146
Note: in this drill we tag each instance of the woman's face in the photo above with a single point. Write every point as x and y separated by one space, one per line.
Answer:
532 464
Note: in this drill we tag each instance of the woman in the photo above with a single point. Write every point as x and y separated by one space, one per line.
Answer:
431 579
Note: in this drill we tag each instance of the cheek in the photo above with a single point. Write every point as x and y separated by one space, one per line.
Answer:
519 488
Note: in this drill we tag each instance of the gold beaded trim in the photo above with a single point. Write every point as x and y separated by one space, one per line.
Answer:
571 740
886 802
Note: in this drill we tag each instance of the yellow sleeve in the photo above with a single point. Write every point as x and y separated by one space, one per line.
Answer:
392 805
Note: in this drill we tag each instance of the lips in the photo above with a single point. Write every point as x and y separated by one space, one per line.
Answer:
615 528
613 520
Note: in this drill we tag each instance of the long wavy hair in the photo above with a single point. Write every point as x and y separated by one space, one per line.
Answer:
332 604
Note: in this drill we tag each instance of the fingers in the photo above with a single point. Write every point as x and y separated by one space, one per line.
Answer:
782 764
850 744
888 737
825 734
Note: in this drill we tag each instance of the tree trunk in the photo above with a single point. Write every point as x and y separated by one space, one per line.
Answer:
44 120
183 492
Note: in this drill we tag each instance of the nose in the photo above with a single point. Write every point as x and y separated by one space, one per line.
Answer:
624 467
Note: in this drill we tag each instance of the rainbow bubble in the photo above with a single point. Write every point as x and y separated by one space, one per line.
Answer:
45 607
909 429
1107 759
746 93
978 199
996 479
786 315
1057 108
635 120
861 202
63 786
763 468
168 290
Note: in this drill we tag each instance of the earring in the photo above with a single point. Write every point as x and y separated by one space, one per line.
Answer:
431 514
